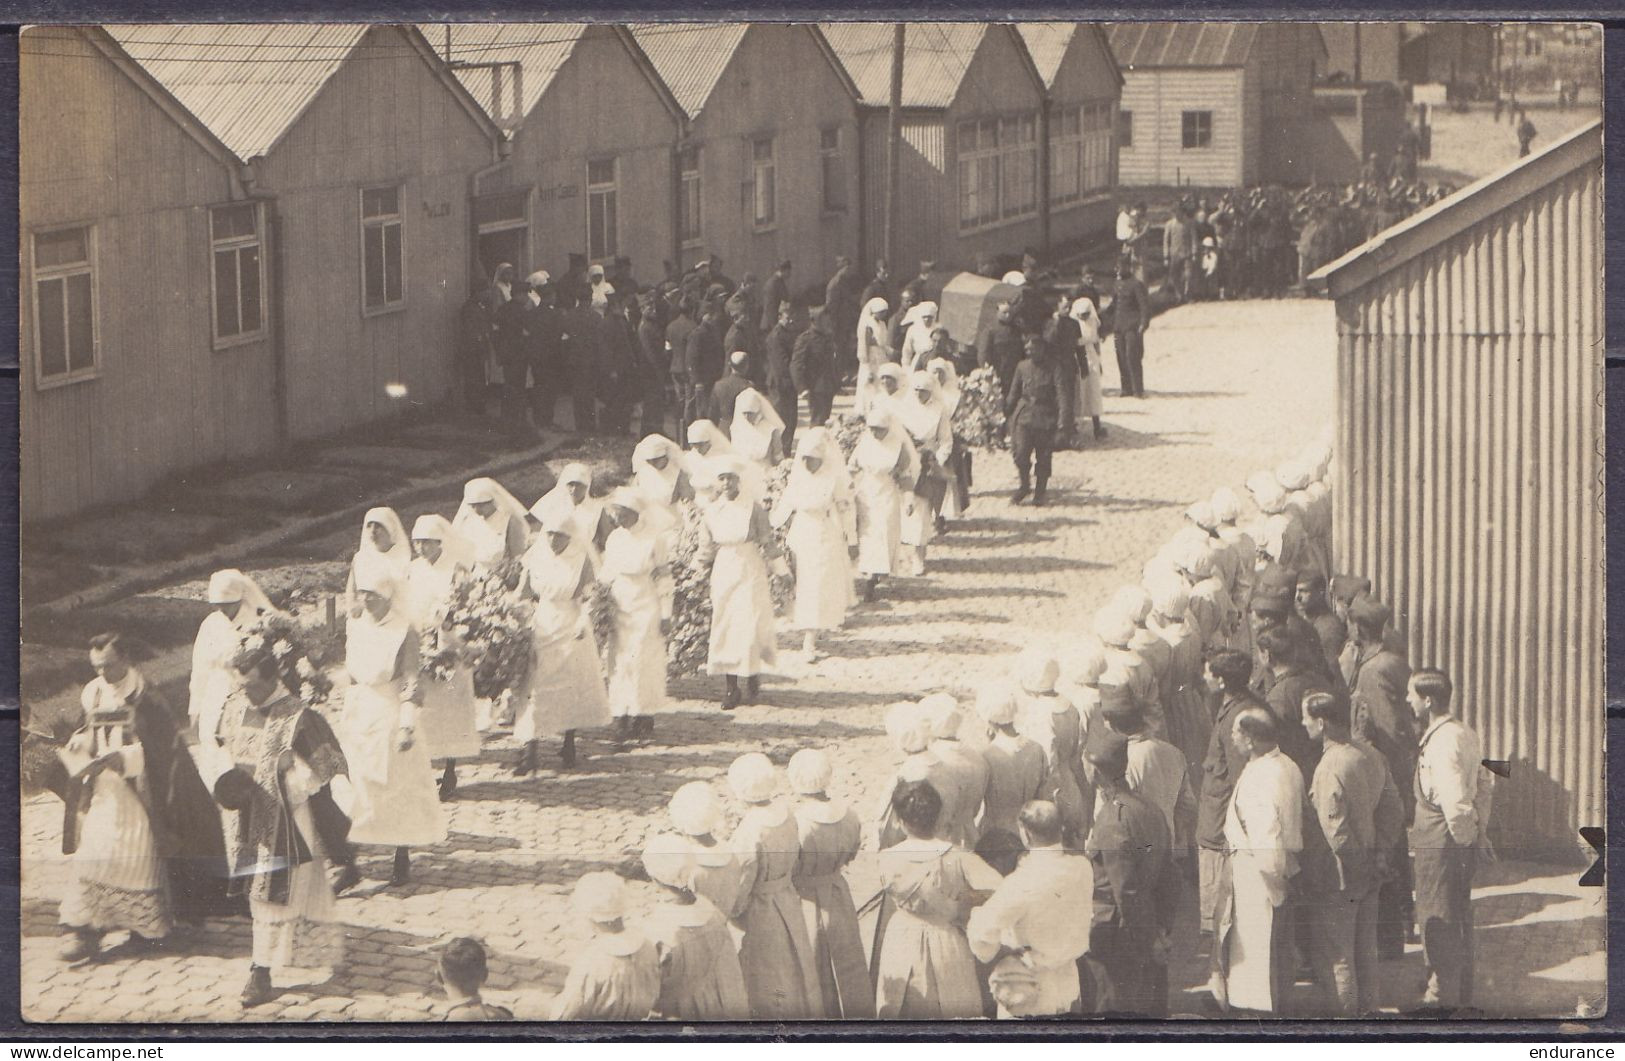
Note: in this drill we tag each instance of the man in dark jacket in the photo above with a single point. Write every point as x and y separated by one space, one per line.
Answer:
513 350
742 335
617 385
779 350
1002 346
574 287
726 391
1314 609
1383 719
545 327
474 330
841 309
1032 407
813 369
677 335
703 360
880 286
775 293
654 366
1131 312
1063 334
1291 683
1227 674
1136 889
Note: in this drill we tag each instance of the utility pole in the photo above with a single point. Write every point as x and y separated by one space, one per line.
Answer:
894 146
1357 77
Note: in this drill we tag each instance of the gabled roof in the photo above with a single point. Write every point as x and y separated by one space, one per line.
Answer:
247 82
1047 43
1450 216
1213 44
690 56
936 58
540 48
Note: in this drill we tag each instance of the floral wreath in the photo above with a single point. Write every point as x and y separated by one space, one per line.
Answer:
287 643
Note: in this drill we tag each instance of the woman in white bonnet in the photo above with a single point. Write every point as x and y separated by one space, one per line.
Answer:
830 835
1091 397
776 953
237 603
717 875
616 976
638 572
874 350
886 469
492 522
1183 693
700 977
1051 721
757 430
396 801
448 721
817 504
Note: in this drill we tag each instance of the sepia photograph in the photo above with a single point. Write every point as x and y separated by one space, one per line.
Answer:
777 522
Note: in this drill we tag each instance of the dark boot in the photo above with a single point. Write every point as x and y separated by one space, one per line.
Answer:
258 991
448 781
1100 429
753 686
346 878
730 697
79 945
869 589
402 872
526 763
623 731
1041 494
567 754
1024 488
643 727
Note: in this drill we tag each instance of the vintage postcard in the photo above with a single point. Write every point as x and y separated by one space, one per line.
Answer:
811 521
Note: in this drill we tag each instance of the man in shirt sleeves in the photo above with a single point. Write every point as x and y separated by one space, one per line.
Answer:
1452 809
1032 918
1263 830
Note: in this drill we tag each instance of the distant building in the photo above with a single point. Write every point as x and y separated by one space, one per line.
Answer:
970 172
1215 104
1469 463
592 125
1082 85
767 157
1447 52
1350 122
1362 51
233 236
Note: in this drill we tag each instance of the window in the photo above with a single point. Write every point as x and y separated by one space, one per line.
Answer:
978 173
688 205
1196 129
382 283
1125 128
64 305
832 170
239 291
764 190
1018 166
1065 155
1096 133
602 201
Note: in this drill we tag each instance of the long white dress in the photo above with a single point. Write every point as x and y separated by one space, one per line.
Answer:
640 585
886 470
1091 399
874 350
742 636
396 802
447 722
931 430
818 507
213 678
566 687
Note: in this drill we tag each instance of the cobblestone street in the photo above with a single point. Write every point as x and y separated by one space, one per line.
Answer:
1234 387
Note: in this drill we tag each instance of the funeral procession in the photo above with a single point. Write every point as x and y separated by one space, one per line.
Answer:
767 521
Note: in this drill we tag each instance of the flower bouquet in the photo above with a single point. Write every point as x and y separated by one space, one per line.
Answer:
601 614
783 586
848 430
438 655
293 649
488 614
689 642
979 419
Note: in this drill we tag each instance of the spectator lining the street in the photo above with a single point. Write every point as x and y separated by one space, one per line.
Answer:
616 976
700 977
830 835
461 971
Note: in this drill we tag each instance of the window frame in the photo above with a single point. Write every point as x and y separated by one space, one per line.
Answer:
1124 124
832 155
1191 128
382 222
770 165
217 244
997 159
600 188
36 274
686 177
1066 147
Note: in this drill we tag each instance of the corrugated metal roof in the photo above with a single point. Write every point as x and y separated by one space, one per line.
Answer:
690 56
248 82
1047 43
936 57
1182 43
540 49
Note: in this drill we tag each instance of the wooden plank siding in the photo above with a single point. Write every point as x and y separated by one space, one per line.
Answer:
753 98
97 149
552 147
1469 463
1158 99
924 208
384 118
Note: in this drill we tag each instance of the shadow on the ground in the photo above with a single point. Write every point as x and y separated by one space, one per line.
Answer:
860 620
925 590
1008 565
869 649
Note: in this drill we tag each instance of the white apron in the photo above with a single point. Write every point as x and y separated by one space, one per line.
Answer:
637 651
396 802
742 636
